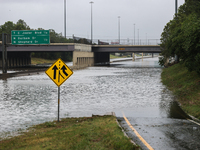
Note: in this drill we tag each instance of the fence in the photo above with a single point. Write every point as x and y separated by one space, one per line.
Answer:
129 41
116 41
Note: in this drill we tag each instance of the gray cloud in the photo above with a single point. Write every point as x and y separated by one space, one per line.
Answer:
149 16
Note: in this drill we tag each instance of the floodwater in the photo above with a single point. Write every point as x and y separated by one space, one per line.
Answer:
134 88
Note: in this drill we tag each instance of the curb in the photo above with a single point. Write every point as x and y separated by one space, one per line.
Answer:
113 114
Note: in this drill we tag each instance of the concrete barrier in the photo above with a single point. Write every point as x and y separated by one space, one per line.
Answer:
82 47
83 58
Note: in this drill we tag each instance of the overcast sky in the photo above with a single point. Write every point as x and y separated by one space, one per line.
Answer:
149 16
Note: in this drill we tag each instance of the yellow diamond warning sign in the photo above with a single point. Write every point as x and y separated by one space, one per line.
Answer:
59 72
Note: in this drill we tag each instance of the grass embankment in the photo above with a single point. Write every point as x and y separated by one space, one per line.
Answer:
185 85
35 61
93 133
114 56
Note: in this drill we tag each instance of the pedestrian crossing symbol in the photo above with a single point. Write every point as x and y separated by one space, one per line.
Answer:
59 72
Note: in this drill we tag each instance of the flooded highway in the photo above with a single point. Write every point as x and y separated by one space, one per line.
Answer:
132 88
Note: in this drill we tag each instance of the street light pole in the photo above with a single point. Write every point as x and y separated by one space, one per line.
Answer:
176 6
134 34
138 38
176 11
119 29
91 20
146 38
65 18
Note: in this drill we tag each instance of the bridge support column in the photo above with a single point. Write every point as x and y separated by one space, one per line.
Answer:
133 56
152 55
142 56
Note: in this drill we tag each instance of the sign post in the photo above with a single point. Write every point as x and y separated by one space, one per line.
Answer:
59 72
58 102
4 53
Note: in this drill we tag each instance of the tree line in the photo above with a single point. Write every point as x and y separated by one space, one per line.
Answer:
8 26
181 36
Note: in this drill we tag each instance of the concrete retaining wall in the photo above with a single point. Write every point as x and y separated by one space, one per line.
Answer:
83 58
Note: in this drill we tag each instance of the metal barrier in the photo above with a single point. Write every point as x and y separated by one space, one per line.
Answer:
129 41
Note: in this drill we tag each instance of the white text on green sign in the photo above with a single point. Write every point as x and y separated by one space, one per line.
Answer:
23 37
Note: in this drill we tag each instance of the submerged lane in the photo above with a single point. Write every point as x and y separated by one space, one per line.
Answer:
161 125
132 87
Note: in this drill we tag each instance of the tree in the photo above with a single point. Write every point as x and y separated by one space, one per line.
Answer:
9 26
191 45
6 28
181 36
54 37
21 25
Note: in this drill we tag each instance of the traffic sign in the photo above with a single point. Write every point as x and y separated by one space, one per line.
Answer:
24 37
59 72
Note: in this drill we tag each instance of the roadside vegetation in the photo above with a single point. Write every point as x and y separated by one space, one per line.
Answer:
35 61
112 56
93 133
181 36
186 87
125 55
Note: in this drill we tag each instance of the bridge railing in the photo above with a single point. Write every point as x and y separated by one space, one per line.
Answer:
115 41
129 41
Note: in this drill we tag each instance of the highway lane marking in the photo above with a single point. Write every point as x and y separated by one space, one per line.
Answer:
137 134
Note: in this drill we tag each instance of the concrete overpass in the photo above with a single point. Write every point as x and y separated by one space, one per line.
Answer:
53 47
102 52
20 55
63 47
88 55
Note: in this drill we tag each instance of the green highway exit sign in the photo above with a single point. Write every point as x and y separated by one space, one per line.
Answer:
24 37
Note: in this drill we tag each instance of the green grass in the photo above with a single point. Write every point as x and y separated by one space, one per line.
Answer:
35 61
186 87
91 133
113 56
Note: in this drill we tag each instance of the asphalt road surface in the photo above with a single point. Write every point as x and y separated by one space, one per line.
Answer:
151 131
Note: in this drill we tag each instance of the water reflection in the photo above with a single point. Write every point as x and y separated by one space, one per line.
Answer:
177 112
127 85
170 108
